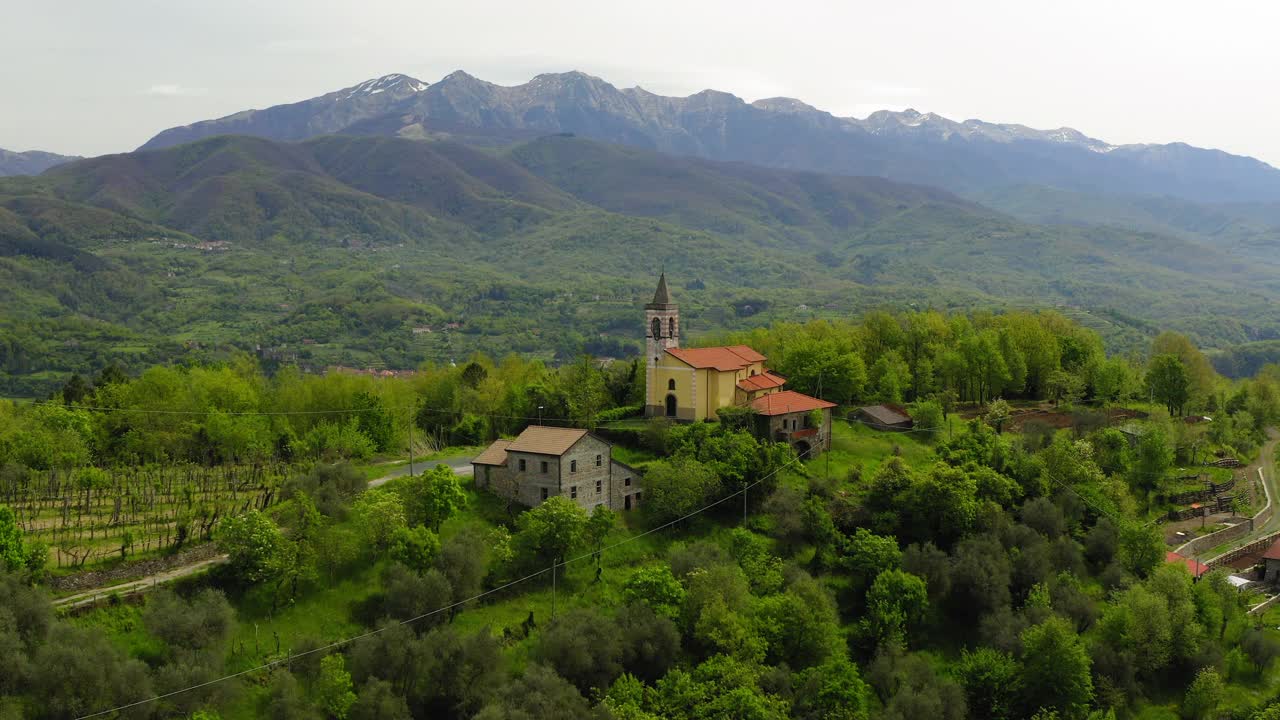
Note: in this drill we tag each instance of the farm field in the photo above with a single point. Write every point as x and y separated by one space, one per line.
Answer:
90 515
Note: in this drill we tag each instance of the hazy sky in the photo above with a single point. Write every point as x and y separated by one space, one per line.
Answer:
93 77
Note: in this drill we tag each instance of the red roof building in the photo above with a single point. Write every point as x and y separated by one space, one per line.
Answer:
724 358
766 380
788 401
1273 552
696 384
1193 566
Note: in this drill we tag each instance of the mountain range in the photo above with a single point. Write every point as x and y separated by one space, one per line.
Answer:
398 221
29 163
972 156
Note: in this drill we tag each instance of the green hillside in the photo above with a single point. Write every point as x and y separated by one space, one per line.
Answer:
1250 231
336 249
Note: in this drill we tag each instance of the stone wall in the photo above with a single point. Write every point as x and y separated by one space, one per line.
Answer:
532 480
1257 547
132 570
585 467
1205 543
621 489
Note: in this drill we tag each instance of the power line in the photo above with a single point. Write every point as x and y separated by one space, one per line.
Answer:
273 413
526 578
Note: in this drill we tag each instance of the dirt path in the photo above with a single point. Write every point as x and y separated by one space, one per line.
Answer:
1266 463
88 597
1265 467
461 466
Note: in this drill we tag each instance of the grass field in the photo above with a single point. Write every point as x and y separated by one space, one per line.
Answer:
858 448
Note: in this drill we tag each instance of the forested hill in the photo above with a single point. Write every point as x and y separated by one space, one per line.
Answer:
33 162
389 252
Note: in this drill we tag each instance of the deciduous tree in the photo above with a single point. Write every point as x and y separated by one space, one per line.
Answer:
1056 668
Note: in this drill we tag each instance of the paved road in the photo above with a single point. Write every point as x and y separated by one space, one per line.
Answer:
461 465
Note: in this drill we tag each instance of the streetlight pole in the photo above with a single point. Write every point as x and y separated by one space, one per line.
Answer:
540 414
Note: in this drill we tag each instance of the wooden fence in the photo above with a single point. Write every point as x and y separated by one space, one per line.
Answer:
1205 543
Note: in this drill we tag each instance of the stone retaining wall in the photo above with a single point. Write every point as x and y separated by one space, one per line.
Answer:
132 571
1214 539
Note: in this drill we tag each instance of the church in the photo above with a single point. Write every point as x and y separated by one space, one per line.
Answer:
692 384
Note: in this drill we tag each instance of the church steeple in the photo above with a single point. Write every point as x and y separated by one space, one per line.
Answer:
662 333
662 323
661 296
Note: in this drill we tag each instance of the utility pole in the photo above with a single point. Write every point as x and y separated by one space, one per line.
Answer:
411 421
744 502
553 589
827 439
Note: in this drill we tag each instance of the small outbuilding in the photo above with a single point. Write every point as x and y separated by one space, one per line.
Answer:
1193 566
884 417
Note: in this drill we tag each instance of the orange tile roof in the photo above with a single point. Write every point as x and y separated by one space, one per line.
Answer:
542 440
495 454
729 357
763 381
787 401
1195 567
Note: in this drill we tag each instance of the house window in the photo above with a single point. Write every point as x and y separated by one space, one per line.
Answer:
573 466
573 492
599 486
522 465
544 466
599 460
626 482
671 384
544 493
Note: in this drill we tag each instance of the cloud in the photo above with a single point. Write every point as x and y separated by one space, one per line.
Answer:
164 90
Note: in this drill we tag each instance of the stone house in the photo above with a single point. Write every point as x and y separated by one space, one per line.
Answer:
543 462
789 417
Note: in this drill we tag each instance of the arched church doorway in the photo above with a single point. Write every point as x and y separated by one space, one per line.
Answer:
671 406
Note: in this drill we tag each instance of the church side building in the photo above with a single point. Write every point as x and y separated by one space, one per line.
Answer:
693 384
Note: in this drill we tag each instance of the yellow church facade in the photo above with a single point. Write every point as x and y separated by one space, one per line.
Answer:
692 384
695 383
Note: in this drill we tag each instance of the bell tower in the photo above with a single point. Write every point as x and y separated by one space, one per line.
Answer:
662 323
